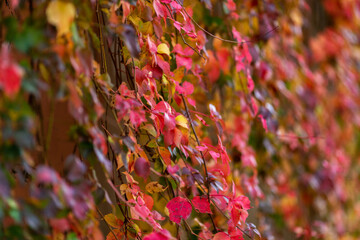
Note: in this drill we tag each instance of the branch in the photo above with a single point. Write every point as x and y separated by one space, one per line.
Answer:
207 183
107 224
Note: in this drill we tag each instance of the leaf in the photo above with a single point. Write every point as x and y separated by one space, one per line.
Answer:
179 208
150 129
149 201
201 204
155 187
142 167
161 235
221 236
214 155
163 49
112 220
165 155
181 121
201 120
118 232
61 14
10 73
169 122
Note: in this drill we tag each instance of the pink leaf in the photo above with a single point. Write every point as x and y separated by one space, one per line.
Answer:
188 87
183 61
201 204
201 148
152 46
177 25
162 235
263 121
186 52
160 9
214 155
191 102
179 208
221 236
177 7
201 120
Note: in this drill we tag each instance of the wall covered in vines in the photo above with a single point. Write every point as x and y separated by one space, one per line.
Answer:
178 119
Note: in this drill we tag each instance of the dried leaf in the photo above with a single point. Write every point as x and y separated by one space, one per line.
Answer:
155 187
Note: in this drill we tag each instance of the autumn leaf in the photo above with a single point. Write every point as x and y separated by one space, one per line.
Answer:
10 73
161 235
112 220
118 233
162 48
142 167
61 14
179 208
221 236
181 121
201 204
155 187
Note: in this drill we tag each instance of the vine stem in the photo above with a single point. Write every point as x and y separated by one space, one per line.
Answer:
213 35
182 36
107 224
207 184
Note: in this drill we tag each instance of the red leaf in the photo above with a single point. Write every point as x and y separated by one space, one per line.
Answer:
142 167
169 122
179 208
10 73
149 201
201 204
165 66
238 214
165 155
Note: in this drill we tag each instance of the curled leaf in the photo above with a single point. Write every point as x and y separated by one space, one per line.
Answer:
155 187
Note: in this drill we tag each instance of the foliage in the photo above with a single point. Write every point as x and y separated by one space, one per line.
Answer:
192 119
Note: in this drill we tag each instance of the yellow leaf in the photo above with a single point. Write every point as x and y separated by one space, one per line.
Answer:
181 121
112 220
123 188
150 129
163 49
155 187
61 15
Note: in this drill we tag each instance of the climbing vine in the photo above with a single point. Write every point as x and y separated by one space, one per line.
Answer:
184 119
